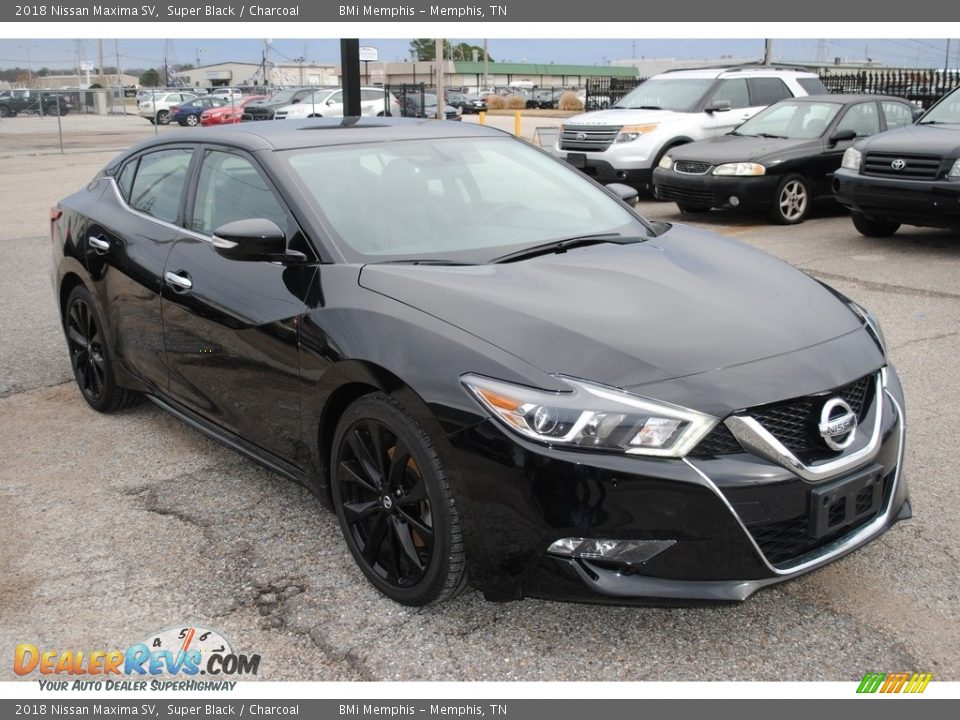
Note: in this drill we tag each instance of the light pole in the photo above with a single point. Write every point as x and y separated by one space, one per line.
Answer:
28 48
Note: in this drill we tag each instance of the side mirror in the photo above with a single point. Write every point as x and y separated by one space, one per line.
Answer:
718 106
626 193
295 101
918 112
254 239
842 135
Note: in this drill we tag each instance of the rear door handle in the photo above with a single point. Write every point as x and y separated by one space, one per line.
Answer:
99 245
177 281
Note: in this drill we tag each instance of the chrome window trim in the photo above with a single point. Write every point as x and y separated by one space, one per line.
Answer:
758 440
139 213
843 545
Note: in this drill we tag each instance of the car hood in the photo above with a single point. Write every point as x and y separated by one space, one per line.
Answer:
934 139
732 148
684 303
623 117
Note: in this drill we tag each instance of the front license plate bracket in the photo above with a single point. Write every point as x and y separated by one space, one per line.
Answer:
845 501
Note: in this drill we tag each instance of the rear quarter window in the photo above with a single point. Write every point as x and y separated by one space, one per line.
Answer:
159 182
767 91
813 86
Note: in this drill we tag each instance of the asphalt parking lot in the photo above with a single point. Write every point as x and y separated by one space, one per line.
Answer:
112 527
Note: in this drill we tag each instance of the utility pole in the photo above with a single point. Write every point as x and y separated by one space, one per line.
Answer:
486 66
100 70
116 50
767 51
438 58
946 60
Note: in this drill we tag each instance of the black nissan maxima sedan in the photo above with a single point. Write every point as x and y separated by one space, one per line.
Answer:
524 386
781 160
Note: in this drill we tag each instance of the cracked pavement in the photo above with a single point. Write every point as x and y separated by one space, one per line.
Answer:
112 527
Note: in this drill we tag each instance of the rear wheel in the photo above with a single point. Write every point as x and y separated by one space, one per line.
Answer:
193 120
163 117
89 357
791 204
394 503
874 228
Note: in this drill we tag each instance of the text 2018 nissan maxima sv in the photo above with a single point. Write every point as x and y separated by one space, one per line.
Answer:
489 366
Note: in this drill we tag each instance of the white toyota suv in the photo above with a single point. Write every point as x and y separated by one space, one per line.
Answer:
626 142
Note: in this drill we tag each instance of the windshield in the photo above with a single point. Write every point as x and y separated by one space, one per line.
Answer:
794 120
456 199
284 96
946 112
680 94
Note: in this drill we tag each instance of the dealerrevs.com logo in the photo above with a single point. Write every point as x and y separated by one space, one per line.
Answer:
184 652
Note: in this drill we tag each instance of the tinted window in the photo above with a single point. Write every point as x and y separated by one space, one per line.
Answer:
159 182
734 92
767 91
231 189
371 95
896 114
862 119
125 179
813 86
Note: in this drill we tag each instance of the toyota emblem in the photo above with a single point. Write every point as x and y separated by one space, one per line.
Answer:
898 164
838 424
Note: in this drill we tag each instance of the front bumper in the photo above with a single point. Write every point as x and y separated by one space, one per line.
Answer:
715 191
603 172
522 497
925 203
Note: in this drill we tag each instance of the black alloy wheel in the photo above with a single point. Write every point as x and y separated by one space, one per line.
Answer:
89 357
394 504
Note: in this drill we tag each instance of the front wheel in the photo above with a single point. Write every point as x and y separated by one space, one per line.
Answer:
89 357
193 120
791 204
394 503
874 228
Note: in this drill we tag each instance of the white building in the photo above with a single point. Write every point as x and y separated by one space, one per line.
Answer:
244 73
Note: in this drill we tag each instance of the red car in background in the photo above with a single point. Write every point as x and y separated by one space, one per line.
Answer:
228 114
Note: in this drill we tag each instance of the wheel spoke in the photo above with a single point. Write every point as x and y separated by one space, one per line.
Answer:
354 512
75 335
379 446
375 538
405 541
93 379
425 532
352 476
414 495
398 464
366 458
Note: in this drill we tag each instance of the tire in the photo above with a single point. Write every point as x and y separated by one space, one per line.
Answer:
394 504
5 111
693 209
792 200
874 228
163 117
192 120
89 356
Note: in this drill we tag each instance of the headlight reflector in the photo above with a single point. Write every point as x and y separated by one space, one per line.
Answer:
740 168
851 159
955 170
632 132
666 162
591 416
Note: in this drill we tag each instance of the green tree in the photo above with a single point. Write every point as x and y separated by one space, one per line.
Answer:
424 49
150 78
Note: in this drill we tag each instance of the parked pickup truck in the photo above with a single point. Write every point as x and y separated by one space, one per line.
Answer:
14 102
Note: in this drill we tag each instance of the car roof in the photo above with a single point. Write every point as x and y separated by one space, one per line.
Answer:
739 70
318 132
844 98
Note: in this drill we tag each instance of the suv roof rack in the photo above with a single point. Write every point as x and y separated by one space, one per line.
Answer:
741 67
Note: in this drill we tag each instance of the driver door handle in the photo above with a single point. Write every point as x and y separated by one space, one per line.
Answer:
178 282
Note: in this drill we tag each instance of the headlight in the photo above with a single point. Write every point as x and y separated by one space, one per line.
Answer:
590 416
873 325
955 170
632 132
740 168
666 162
851 159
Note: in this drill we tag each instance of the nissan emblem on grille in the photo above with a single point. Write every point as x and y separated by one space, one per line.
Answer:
898 164
838 424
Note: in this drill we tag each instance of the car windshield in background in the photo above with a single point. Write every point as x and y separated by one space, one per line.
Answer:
794 120
679 94
946 113
452 200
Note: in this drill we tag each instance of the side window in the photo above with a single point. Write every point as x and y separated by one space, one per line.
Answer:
125 178
159 182
734 91
232 189
896 114
335 99
371 95
861 118
813 86
767 91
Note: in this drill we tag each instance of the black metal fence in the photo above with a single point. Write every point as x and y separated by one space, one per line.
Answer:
411 97
923 87
604 92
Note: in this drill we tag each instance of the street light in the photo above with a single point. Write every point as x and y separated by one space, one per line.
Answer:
28 48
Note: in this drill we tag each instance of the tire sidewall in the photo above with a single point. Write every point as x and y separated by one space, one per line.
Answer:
382 408
80 293
778 216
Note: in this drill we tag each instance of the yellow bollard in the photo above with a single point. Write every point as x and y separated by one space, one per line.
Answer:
483 117
516 123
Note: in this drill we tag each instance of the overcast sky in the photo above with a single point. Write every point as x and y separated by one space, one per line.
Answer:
149 53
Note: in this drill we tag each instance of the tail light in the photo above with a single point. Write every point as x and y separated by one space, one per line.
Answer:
174 110
55 214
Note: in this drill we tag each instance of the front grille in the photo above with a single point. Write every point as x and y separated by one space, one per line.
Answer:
595 138
794 422
720 441
258 113
687 196
784 541
691 167
915 167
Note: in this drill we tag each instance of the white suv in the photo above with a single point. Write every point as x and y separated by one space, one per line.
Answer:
328 102
625 143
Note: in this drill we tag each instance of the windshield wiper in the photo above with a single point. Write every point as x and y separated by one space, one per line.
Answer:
561 246
770 135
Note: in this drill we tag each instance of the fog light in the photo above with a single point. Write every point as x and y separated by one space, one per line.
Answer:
627 552
734 200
